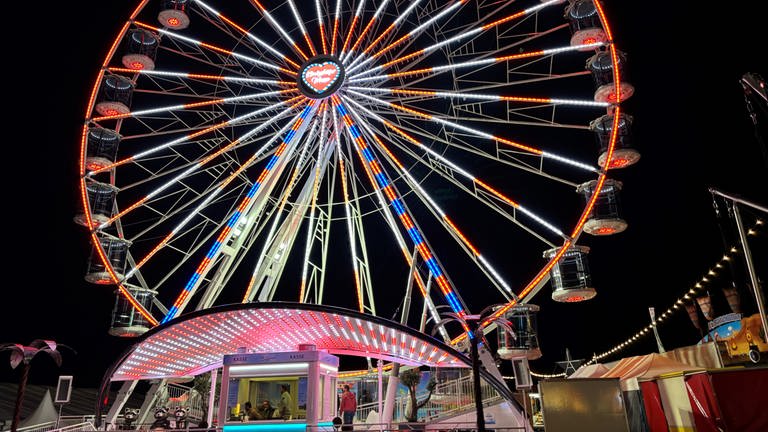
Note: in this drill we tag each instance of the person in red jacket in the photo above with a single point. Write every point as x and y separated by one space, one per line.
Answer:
348 405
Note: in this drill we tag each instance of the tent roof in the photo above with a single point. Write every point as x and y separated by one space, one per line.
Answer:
595 370
646 367
44 413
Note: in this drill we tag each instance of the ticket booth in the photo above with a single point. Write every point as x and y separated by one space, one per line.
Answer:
309 375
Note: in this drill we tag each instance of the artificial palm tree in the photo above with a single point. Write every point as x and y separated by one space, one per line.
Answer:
23 355
411 379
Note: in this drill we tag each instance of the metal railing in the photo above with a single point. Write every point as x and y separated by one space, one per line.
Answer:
449 398
175 396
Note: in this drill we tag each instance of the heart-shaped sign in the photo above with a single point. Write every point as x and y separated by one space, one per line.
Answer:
320 76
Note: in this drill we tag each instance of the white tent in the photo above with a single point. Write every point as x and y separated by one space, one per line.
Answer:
44 413
595 370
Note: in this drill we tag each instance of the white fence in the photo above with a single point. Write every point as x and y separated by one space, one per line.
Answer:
449 398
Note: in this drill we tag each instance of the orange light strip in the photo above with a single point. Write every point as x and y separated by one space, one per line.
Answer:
206 77
322 38
309 43
365 32
378 39
390 46
353 374
402 59
501 98
335 33
504 20
349 35
184 106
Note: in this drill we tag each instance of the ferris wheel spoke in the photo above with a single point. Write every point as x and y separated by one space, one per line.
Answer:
218 50
189 170
278 243
475 65
292 103
478 188
321 26
355 18
280 56
354 65
472 32
195 105
382 34
219 188
298 128
276 25
193 76
478 133
336 23
300 24
483 97
449 225
387 212
407 221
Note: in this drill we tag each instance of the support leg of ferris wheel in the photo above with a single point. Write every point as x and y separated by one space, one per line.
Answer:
364 274
117 406
319 231
394 380
283 234
240 238
232 246
154 393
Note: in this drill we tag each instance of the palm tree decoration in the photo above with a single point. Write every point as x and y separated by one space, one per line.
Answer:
411 378
23 355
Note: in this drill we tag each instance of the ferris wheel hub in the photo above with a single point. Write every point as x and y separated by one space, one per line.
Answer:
321 76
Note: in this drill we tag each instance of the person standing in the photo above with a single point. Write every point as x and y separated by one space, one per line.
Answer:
348 406
286 402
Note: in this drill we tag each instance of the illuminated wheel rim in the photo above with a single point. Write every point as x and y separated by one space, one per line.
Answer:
442 136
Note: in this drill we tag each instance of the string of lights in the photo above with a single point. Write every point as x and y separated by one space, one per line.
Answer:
690 294
699 286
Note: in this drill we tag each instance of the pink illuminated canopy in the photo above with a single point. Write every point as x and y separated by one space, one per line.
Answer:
196 342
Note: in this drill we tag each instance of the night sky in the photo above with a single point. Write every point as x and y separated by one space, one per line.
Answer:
691 127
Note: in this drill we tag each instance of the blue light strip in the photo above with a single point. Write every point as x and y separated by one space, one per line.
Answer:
174 310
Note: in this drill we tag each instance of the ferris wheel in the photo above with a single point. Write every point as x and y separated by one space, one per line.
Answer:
352 153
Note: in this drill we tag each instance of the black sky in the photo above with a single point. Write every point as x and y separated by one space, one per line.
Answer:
691 127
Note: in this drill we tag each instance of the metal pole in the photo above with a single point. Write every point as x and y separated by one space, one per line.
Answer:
473 322
379 391
751 269
58 418
739 200
652 311
212 398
